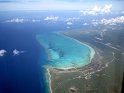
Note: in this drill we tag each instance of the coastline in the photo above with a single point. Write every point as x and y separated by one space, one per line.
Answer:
48 69
90 49
49 76
92 54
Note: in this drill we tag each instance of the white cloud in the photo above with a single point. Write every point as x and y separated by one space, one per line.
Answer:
51 18
95 22
98 38
85 24
35 20
97 10
112 21
17 52
2 52
72 19
67 27
83 12
69 23
106 9
16 20
21 20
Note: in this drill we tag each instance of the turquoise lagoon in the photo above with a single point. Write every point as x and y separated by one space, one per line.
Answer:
64 52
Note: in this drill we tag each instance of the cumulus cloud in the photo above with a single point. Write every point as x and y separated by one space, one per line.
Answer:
2 52
106 9
97 10
69 23
51 18
21 20
67 27
72 19
98 38
35 20
16 20
112 21
17 52
94 22
85 24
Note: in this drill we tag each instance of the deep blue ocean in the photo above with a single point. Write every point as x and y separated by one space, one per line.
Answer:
19 74
24 73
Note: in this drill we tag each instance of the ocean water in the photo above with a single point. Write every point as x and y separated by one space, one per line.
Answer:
25 73
64 52
19 74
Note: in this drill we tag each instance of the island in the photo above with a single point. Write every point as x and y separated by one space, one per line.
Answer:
83 60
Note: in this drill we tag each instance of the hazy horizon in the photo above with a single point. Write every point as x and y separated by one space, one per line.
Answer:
6 5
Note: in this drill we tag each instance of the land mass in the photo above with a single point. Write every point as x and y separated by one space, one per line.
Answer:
105 72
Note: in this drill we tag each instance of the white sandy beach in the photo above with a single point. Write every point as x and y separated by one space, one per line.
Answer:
92 53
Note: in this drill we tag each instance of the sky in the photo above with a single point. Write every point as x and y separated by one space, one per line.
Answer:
57 4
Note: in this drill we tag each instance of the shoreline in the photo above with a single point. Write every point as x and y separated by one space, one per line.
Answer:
91 50
92 55
49 76
68 69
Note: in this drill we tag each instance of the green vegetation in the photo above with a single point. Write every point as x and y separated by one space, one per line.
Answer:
107 76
